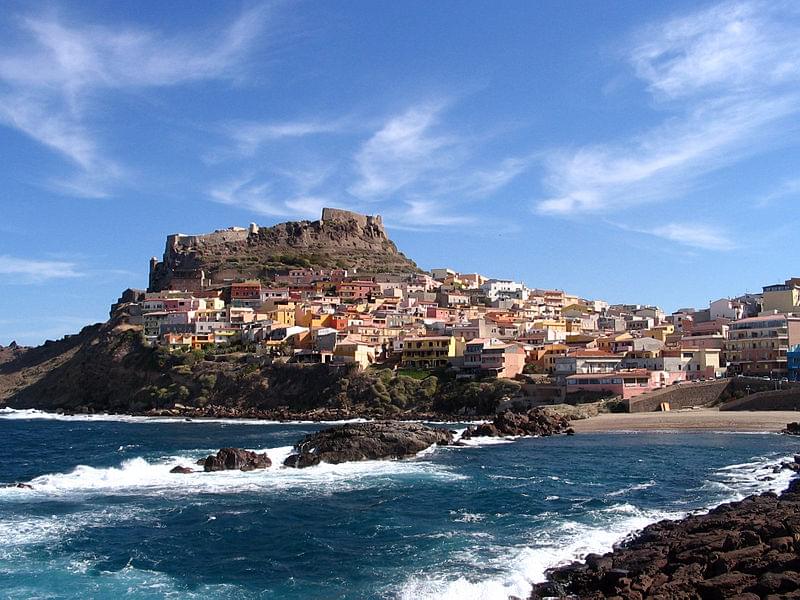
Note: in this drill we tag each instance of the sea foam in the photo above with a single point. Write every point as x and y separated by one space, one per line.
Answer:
152 476
565 541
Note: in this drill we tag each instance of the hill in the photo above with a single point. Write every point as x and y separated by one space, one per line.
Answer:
340 239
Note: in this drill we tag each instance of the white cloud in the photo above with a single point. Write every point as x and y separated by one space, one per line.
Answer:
52 84
401 151
412 163
729 77
661 163
249 194
26 270
421 215
706 237
733 46
790 188
249 136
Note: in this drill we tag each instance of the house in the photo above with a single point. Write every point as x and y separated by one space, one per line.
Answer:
246 294
615 344
587 361
357 290
354 350
625 384
783 298
493 357
428 352
759 345
702 363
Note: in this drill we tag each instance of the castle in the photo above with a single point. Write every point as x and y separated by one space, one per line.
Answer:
239 234
186 256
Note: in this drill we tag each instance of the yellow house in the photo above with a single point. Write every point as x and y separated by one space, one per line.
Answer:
557 325
545 356
283 314
782 298
660 332
351 350
311 319
613 343
431 351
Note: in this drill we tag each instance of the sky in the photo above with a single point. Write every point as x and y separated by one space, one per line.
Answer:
630 151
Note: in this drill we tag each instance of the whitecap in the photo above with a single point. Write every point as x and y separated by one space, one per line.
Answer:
147 477
563 542
632 488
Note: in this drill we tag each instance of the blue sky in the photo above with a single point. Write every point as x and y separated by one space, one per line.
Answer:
630 151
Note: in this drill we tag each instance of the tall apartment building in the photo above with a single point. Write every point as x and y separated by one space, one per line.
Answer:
759 345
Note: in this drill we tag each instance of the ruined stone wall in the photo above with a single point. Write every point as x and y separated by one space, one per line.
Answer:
337 214
208 239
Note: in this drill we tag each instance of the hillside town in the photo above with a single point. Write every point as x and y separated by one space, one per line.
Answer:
475 326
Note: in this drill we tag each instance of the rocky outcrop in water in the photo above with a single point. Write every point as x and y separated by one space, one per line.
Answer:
535 422
181 469
232 459
366 441
792 428
21 486
746 550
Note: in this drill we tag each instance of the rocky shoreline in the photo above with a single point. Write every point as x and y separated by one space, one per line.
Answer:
746 550
381 440
280 416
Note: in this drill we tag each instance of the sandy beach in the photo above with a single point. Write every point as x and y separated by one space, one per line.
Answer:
700 420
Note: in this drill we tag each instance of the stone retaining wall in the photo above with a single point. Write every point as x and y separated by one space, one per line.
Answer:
679 396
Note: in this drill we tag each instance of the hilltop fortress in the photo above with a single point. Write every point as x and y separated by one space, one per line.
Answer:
341 238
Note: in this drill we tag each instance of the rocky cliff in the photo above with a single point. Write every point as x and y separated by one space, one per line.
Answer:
105 368
340 239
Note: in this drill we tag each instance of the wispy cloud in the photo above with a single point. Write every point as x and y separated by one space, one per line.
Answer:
728 78
250 136
706 237
413 166
258 197
401 151
27 270
425 215
52 84
732 47
789 188
662 162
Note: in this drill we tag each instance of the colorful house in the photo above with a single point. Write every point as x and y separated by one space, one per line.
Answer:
428 352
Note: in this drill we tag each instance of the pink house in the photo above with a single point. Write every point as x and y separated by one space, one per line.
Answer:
625 384
493 357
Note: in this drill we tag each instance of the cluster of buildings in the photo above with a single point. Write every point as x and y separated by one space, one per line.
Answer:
482 327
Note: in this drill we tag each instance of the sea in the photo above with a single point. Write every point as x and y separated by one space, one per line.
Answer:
106 518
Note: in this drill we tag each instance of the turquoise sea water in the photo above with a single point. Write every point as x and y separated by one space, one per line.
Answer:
106 519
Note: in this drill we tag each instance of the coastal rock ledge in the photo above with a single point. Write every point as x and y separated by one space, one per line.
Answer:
747 550
366 441
535 422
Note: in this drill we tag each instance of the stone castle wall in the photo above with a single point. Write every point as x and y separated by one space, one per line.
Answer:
218 237
363 221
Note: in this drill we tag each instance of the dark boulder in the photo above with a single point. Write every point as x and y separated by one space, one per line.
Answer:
181 469
230 459
21 486
366 441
